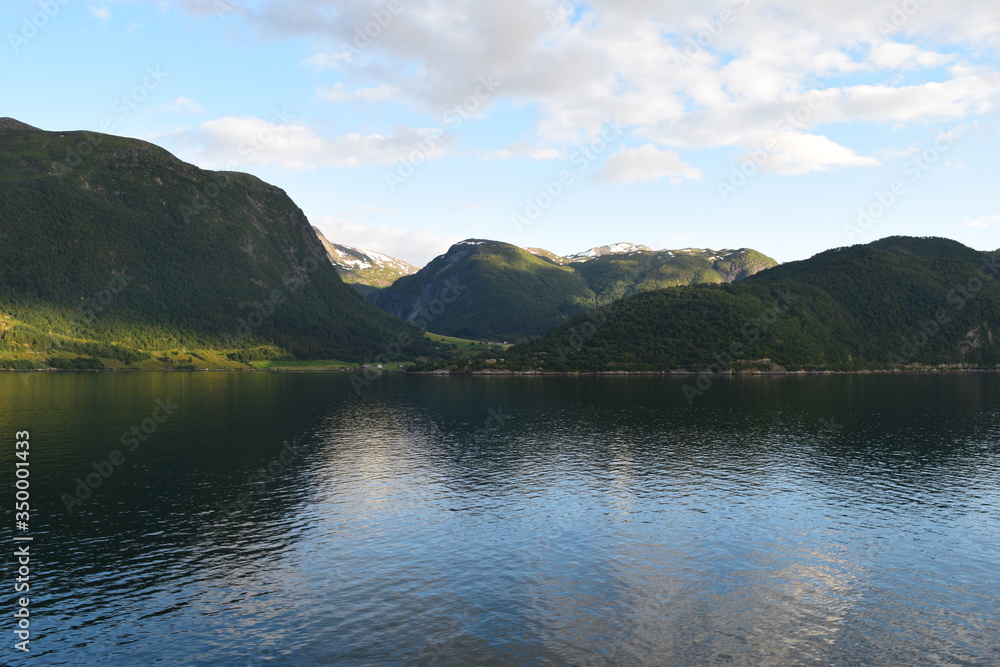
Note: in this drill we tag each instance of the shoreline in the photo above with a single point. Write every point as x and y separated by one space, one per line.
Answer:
682 373
534 373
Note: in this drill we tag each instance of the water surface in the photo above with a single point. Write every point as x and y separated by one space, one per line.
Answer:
532 521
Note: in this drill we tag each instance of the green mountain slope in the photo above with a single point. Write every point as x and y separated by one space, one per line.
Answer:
113 248
896 302
516 294
487 289
615 276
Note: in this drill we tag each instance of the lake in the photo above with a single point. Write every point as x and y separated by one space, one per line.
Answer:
285 519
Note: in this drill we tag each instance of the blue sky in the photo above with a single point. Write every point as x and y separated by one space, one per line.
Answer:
406 125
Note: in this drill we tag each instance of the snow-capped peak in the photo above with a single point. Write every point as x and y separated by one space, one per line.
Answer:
613 249
365 266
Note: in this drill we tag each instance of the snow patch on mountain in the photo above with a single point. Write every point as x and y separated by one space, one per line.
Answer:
367 267
613 249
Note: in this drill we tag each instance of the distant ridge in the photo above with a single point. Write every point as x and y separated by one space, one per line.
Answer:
7 123
487 290
900 302
515 293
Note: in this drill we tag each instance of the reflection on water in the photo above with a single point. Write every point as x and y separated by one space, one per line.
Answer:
822 520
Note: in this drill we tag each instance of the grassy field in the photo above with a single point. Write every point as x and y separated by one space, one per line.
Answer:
312 365
464 344
191 359
160 360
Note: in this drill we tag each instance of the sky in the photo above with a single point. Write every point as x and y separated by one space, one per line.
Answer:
404 126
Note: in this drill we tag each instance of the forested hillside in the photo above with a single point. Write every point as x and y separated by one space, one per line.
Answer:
898 302
114 249
514 293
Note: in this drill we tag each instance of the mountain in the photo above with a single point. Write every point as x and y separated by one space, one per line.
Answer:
604 251
487 289
613 276
545 254
898 302
523 293
13 124
365 270
116 250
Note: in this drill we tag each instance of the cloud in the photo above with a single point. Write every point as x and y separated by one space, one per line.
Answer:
323 61
970 91
900 152
804 153
688 74
237 142
417 247
473 206
181 105
101 13
523 149
338 93
903 57
647 163
983 222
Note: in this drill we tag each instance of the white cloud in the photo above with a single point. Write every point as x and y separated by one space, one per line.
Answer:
526 150
647 163
983 222
237 142
650 65
338 93
101 13
900 152
181 105
970 91
896 56
417 247
804 153
322 61
473 206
